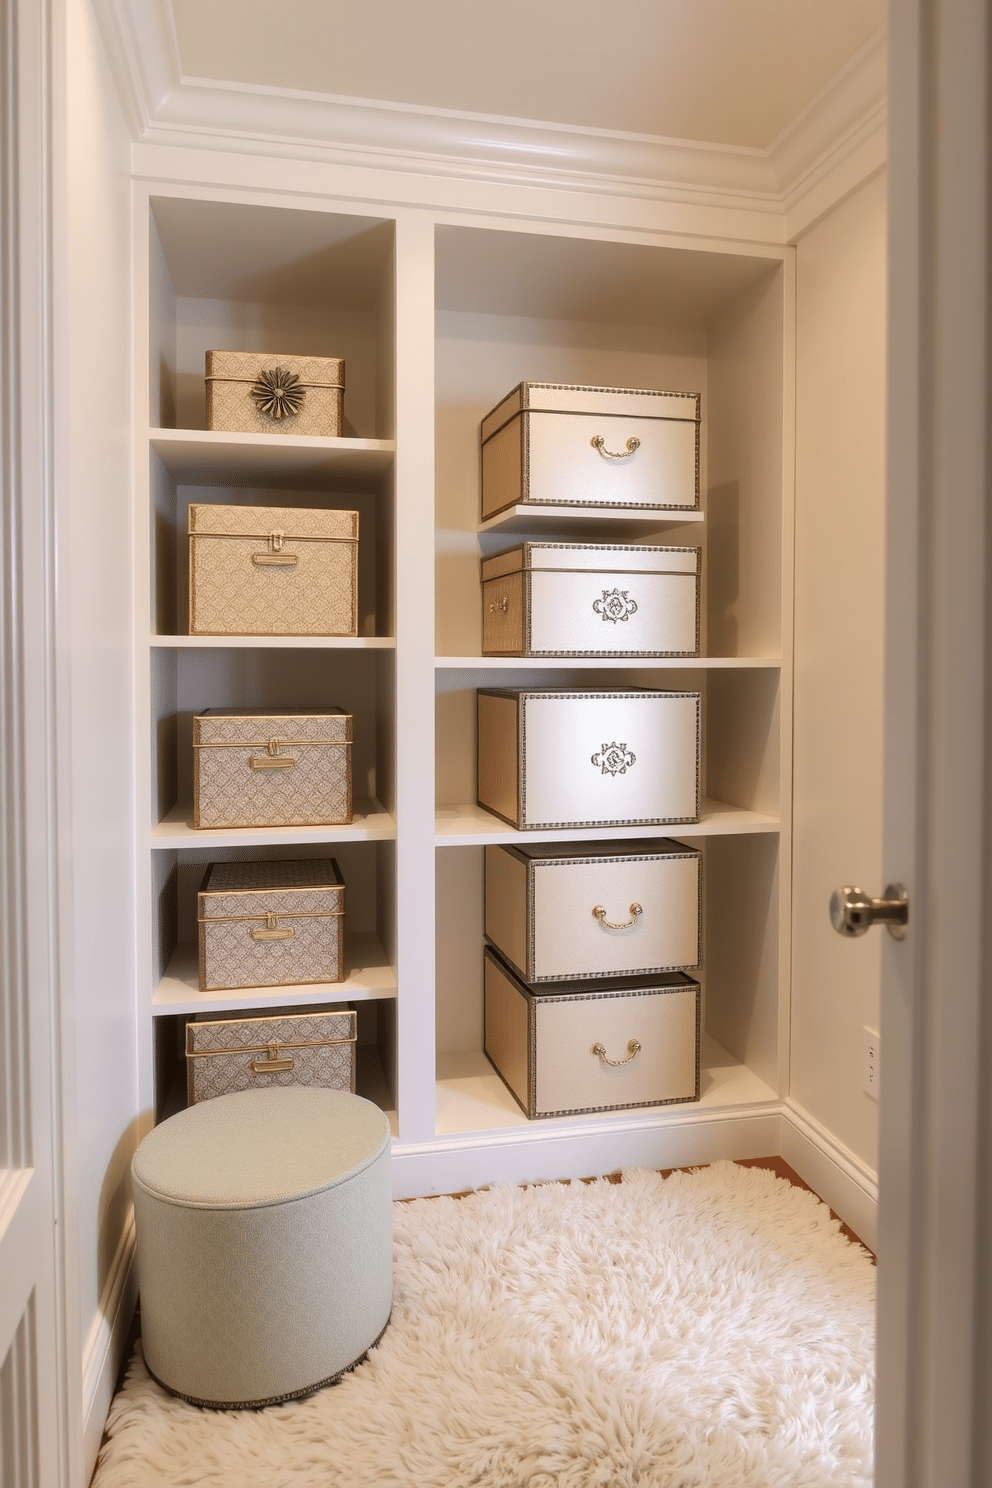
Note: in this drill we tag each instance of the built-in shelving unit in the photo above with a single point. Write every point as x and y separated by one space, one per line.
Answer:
443 311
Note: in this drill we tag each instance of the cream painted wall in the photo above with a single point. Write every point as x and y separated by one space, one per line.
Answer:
840 472
96 607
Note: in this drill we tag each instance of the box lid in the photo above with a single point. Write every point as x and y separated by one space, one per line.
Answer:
308 886
251 1033
263 522
611 851
520 694
560 397
244 366
590 558
233 726
571 991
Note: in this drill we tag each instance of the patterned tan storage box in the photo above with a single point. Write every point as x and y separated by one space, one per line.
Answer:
587 599
291 1046
252 392
272 570
271 924
562 758
282 768
614 1044
549 444
561 911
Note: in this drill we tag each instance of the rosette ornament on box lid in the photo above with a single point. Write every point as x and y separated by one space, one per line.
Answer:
278 393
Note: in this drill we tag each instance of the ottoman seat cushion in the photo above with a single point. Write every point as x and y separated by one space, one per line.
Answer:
264 1243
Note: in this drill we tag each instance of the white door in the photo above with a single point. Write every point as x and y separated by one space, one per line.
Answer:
33 1449
934 1420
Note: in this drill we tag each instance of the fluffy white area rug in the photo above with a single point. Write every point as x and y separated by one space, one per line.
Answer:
712 1329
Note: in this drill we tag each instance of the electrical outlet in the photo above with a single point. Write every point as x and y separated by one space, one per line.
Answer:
871 1062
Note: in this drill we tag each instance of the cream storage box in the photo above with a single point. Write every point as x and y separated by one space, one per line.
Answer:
561 911
285 767
562 1050
272 570
558 757
588 599
271 924
291 1046
550 444
252 392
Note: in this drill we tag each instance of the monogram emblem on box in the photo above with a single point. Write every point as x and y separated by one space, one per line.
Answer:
615 605
614 759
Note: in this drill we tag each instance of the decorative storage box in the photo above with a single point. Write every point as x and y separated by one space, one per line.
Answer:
272 570
551 444
271 924
252 392
623 1042
561 911
562 758
294 1046
288 767
585 599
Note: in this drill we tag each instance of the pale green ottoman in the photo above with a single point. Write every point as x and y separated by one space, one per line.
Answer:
264 1243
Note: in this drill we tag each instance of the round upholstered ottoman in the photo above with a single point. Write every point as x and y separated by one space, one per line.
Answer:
264 1243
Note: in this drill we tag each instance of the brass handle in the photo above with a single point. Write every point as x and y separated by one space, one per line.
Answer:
275 560
271 762
272 931
598 442
271 1066
635 912
633 1049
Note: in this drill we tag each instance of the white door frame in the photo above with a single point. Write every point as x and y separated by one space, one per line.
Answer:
38 1389
934 1222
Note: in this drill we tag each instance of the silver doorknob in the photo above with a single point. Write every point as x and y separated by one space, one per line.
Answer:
852 912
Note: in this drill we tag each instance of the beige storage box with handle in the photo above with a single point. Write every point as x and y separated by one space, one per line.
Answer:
562 911
558 757
590 599
553 444
271 924
286 767
562 1051
290 1046
250 392
272 570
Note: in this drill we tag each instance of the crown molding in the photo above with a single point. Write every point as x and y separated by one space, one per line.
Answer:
167 108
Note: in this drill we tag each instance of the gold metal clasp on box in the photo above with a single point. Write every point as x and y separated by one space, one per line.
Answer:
275 557
272 930
274 760
273 1065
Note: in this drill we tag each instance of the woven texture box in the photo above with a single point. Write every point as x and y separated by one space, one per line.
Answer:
561 758
553 444
294 1046
590 599
285 767
613 1044
271 924
270 570
268 393
566 911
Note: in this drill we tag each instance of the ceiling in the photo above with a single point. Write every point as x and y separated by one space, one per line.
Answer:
722 72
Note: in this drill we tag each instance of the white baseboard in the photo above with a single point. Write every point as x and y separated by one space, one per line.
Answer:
104 1349
840 1178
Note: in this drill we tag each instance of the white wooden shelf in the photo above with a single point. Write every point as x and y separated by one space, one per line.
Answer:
471 1097
272 643
202 457
471 826
368 976
551 519
606 663
371 824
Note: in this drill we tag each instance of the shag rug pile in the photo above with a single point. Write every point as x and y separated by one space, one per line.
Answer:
711 1329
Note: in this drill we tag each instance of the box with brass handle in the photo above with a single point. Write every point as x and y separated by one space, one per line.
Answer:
564 911
272 570
561 444
251 392
271 924
288 1046
282 767
610 1044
